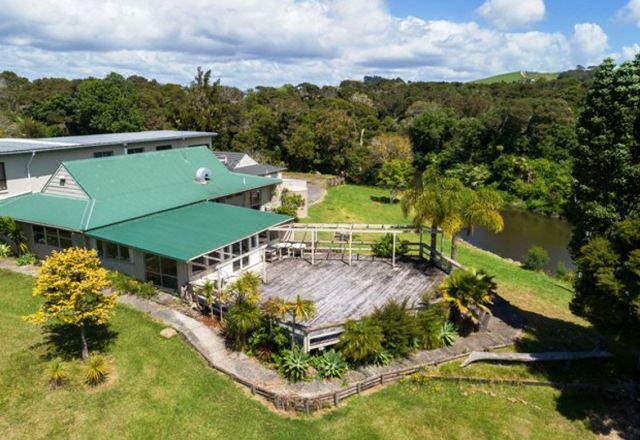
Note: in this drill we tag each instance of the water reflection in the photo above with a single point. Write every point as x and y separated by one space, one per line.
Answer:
522 230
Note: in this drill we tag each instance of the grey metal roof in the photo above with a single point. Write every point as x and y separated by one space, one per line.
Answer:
259 170
230 159
14 145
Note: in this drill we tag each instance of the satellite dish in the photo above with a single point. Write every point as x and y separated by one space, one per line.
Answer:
203 175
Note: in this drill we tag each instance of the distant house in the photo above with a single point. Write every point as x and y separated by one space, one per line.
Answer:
27 164
243 163
164 216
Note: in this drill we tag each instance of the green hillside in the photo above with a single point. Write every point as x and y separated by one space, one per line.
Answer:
515 77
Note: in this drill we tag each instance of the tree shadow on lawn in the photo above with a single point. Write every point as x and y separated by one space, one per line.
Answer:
604 412
63 340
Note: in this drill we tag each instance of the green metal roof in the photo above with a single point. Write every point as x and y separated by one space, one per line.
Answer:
45 209
130 186
190 231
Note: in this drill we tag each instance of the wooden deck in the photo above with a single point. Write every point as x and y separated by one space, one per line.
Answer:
342 292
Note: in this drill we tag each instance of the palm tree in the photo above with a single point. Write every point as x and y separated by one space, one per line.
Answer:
300 308
222 296
243 318
10 229
434 199
476 208
208 291
274 308
469 293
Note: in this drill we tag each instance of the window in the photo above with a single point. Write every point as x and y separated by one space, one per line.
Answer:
98 154
199 145
135 150
161 271
52 237
254 202
112 251
163 147
3 177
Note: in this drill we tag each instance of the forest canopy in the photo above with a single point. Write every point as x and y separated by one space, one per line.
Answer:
516 137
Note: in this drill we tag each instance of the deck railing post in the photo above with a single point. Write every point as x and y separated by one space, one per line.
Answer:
350 245
393 258
313 247
421 242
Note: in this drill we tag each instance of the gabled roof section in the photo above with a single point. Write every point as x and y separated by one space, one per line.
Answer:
48 210
131 186
190 231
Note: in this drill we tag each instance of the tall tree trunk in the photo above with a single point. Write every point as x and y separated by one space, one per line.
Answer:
454 246
434 241
83 342
293 331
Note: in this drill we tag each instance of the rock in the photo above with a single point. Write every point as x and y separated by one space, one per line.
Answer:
168 333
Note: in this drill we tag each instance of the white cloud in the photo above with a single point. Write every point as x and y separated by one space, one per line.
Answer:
510 14
629 52
630 13
269 42
590 42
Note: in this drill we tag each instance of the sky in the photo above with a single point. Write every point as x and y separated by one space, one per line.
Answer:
273 42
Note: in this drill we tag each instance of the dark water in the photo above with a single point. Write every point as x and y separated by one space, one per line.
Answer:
522 230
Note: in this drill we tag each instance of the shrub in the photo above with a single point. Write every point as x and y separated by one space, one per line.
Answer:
430 322
96 369
399 328
5 250
469 293
289 204
384 247
447 334
126 285
27 259
361 341
536 258
381 359
56 373
242 319
267 341
564 273
294 365
330 365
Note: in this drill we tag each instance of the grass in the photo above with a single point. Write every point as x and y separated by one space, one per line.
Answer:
162 388
514 77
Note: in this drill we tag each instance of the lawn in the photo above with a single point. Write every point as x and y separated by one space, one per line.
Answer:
163 389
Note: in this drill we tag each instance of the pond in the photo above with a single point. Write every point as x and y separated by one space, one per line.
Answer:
523 229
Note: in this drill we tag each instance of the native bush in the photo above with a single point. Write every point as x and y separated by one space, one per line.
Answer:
361 341
536 258
384 247
447 334
55 373
242 319
289 204
382 358
126 285
267 341
330 365
469 294
96 369
5 250
294 364
399 327
430 321
27 259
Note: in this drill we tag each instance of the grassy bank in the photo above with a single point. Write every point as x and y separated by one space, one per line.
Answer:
160 388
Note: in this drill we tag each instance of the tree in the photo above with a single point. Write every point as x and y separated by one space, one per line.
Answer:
388 146
607 164
71 282
434 199
108 105
302 309
475 208
469 293
289 204
608 288
242 319
208 291
12 232
395 175
431 130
